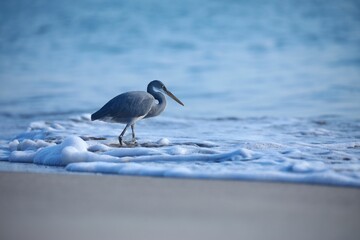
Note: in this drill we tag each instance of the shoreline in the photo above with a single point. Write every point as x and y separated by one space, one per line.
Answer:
14 167
83 206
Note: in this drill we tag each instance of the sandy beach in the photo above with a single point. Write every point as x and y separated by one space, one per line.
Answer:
75 206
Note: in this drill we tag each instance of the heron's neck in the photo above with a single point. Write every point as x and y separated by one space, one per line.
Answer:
158 108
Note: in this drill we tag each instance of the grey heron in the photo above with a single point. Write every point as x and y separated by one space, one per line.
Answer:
130 107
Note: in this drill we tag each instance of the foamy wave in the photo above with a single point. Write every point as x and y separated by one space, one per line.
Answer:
79 145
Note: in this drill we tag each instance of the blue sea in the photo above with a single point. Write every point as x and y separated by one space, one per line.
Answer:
271 88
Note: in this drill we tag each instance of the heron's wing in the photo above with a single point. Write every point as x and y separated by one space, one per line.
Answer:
125 106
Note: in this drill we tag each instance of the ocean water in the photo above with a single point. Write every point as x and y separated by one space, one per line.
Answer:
271 88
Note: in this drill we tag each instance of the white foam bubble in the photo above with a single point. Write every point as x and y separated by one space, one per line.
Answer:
13 145
99 148
163 141
307 167
60 155
26 156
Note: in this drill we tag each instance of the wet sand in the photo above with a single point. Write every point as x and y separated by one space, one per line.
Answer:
74 206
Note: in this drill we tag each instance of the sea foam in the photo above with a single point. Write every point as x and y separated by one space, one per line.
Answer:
278 154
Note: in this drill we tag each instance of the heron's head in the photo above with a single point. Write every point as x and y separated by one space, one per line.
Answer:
156 84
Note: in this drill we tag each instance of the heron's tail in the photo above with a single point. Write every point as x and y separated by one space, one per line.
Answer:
102 112
96 116
93 117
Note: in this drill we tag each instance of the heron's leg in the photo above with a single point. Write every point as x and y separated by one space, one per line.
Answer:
122 134
133 133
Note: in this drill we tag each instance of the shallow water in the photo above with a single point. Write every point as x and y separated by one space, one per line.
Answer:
275 86
313 150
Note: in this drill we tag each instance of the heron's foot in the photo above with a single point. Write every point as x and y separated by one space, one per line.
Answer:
133 141
121 141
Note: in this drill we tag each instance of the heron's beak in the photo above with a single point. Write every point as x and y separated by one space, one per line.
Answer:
173 97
